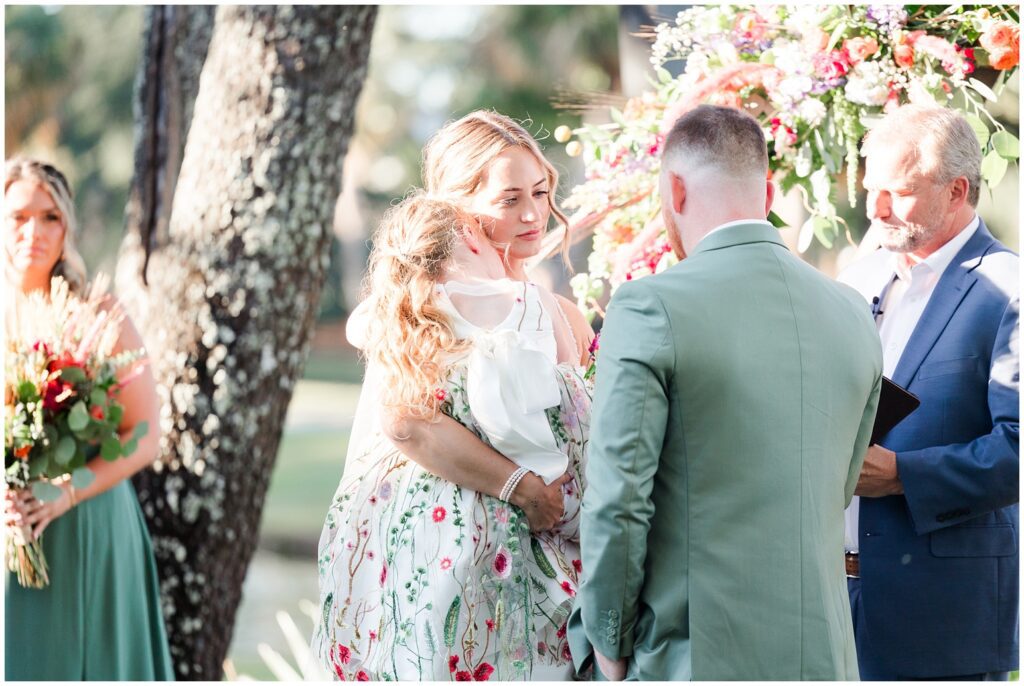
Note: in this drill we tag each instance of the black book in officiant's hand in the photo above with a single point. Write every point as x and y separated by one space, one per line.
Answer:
894 405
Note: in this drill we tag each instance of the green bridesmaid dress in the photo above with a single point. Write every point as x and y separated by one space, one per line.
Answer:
100 618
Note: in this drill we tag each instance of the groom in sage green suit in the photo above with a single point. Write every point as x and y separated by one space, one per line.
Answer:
735 397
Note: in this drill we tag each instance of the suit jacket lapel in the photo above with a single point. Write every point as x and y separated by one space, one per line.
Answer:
949 292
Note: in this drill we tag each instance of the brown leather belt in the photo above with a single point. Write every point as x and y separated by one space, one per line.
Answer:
853 565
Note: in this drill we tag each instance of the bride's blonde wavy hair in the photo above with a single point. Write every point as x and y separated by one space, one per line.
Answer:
457 157
408 335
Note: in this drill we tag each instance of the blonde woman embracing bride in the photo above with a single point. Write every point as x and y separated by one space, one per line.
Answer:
421 576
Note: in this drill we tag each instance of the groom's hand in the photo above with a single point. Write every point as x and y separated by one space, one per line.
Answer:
878 476
543 505
613 670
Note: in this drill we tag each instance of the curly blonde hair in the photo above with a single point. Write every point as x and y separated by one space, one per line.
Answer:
457 157
70 265
408 335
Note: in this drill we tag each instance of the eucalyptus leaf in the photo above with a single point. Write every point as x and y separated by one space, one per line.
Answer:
664 75
982 89
36 468
825 230
806 236
45 492
617 117
65 450
73 374
993 167
27 391
98 397
114 413
50 433
110 449
82 477
78 417
1006 144
129 447
980 130
140 430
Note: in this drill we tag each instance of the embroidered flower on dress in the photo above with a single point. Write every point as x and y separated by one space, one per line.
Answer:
439 514
463 676
362 676
490 625
502 564
483 672
384 491
446 563
567 587
578 566
383 574
452 661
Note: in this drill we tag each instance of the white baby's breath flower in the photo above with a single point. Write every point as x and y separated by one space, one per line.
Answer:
812 111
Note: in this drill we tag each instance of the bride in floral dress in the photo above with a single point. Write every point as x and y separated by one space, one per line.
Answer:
420 578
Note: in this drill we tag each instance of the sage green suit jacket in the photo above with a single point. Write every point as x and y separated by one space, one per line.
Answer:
735 397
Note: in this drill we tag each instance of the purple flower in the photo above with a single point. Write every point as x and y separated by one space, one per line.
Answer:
887 17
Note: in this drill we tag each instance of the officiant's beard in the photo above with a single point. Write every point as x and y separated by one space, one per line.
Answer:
905 239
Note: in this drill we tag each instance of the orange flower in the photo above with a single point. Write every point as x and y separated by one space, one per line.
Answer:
1002 41
22 452
1001 35
860 48
1004 59
904 55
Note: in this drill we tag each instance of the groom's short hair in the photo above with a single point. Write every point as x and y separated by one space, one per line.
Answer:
721 137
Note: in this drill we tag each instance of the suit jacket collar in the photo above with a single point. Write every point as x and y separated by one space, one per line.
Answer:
956 281
754 232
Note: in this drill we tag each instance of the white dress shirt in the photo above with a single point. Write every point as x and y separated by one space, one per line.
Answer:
728 225
902 301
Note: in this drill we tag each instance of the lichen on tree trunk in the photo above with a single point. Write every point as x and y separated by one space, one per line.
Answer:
233 283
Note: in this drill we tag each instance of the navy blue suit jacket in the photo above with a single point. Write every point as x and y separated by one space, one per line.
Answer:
939 564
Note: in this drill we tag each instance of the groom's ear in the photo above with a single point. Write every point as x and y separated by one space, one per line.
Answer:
769 197
678 190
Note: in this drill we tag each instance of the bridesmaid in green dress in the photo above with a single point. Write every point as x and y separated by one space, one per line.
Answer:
100 617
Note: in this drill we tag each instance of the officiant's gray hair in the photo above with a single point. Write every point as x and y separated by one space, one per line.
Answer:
721 137
943 144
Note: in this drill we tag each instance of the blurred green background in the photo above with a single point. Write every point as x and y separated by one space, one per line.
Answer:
68 89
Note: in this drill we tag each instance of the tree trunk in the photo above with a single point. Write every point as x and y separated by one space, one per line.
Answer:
233 282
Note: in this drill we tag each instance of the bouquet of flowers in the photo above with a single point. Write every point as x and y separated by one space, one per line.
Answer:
816 77
61 383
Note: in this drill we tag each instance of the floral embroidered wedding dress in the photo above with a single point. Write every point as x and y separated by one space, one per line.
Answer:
421 579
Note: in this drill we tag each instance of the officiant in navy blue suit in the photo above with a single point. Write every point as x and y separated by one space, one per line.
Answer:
932 540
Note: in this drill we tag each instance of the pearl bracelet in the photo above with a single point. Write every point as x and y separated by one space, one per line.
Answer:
512 483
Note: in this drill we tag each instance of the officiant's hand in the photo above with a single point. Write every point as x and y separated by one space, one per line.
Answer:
543 505
613 670
878 476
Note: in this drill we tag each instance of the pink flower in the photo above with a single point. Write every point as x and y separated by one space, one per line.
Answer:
578 566
446 563
501 514
453 660
750 26
440 394
860 48
439 514
373 635
362 676
831 65
566 653
567 587
561 631
542 648
383 574
1002 42
502 564
344 654
463 675
490 625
